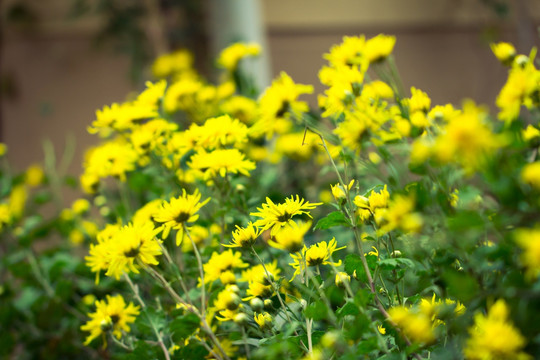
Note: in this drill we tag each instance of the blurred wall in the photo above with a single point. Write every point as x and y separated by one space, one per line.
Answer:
442 48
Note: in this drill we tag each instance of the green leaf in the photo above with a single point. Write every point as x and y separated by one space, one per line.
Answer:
460 285
353 263
335 218
348 309
183 326
465 220
316 310
394 263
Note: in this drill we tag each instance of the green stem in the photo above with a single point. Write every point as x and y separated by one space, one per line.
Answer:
135 290
201 270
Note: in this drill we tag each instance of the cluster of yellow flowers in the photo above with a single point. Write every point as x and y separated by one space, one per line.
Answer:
209 139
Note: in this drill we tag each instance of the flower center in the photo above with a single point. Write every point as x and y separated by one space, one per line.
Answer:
284 217
182 217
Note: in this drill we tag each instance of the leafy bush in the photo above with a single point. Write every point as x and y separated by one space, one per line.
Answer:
230 226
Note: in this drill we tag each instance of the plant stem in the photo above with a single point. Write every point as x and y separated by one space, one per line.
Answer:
135 290
246 345
201 270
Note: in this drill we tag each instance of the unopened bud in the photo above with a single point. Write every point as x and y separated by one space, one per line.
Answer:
241 319
342 279
256 304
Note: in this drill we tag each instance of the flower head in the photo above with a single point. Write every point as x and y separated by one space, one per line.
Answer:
275 216
317 254
494 336
244 237
131 245
290 237
179 211
220 266
231 55
111 315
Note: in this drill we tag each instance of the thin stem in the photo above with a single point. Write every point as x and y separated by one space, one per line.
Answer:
309 323
135 290
274 285
175 269
201 270
246 345
121 344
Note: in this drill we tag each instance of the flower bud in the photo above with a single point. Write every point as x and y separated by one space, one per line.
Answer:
256 304
342 279
241 319
268 304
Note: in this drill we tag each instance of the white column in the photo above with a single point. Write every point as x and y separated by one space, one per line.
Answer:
240 20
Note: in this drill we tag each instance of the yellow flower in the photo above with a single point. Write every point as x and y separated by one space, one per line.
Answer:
317 254
76 236
339 192
399 214
17 201
467 139
218 132
419 101
258 290
494 336
176 213
290 237
529 241
378 200
348 53
257 273
112 158
34 175
264 320
146 213
231 55
132 244
227 299
223 263
275 216
279 101
241 108
416 325
530 174
530 133
174 63
222 162
244 237
504 51
381 329
3 149
80 206
111 315
379 47
342 278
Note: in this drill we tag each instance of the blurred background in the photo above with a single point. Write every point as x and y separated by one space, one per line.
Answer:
61 60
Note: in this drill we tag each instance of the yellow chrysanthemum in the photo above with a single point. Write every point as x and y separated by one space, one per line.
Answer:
219 264
290 237
244 237
231 55
222 162
132 245
264 320
257 273
416 325
494 336
275 216
529 241
111 315
530 174
176 213
504 51
317 254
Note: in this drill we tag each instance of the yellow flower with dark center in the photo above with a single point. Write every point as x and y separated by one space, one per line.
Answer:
178 212
317 254
494 336
231 55
223 263
290 237
111 315
244 237
132 245
279 101
275 216
222 162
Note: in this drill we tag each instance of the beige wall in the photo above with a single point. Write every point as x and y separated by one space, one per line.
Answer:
62 80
